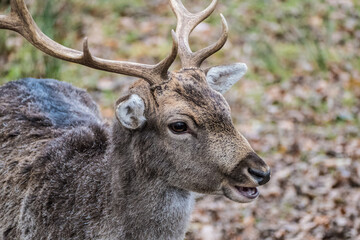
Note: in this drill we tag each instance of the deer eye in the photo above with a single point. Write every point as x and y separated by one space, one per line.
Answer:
178 127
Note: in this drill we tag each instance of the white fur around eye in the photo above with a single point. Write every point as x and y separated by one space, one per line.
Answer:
130 112
221 78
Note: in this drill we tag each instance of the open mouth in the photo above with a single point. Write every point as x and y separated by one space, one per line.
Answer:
241 194
248 192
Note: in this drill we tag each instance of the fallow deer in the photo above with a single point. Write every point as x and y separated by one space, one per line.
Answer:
64 174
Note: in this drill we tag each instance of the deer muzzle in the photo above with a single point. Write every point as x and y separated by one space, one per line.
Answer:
242 182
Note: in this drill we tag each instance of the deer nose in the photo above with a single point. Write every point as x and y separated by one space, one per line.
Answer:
260 176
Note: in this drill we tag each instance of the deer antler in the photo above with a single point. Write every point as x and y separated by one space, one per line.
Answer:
20 21
186 23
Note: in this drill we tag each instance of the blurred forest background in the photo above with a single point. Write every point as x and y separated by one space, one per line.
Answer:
298 105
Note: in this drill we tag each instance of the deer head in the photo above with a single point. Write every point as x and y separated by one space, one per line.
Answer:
179 122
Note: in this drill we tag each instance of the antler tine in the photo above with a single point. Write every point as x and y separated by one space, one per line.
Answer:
186 22
163 66
204 53
10 22
20 21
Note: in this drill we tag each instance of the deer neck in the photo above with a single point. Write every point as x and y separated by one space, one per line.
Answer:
143 206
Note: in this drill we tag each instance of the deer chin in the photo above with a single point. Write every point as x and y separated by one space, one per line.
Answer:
240 193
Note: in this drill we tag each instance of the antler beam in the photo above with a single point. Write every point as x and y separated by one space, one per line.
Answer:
21 21
186 22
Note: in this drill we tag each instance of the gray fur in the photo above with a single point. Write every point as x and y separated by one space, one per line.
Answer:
130 112
222 78
64 174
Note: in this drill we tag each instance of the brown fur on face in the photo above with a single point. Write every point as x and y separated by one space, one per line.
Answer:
212 152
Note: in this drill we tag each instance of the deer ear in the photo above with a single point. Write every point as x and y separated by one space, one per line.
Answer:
221 78
130 111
